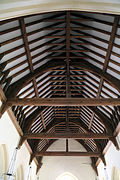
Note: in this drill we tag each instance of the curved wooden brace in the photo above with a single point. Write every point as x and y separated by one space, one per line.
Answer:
92 158
91 68
80 124
56 123
17 86
79 141
104 119
51 142
30 119
38 167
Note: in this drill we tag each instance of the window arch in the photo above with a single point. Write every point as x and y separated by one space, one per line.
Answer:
66 176
115 173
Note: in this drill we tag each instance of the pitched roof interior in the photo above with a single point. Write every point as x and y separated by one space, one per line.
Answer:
28 43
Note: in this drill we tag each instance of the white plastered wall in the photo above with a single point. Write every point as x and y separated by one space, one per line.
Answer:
78 166
112 158
10 138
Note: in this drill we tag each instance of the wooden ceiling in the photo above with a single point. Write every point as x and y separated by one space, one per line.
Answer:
70 55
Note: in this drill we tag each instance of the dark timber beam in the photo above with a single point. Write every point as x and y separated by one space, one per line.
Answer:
109 51
25 39
63 102
68 54
62 153
68 92
56 122
66 135
29 58
38 167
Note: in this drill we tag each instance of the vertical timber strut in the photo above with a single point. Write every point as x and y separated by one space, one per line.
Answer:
68 93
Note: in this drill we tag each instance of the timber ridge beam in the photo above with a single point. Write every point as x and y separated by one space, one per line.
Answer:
63 153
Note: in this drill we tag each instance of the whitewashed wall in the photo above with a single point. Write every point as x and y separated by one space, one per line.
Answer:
10 138
78 166
112 158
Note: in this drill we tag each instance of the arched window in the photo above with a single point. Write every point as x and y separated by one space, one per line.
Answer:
115 173
66 176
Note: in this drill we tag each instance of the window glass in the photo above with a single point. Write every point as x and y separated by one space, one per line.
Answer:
66 176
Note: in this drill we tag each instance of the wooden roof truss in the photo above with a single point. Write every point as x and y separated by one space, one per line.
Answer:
69 55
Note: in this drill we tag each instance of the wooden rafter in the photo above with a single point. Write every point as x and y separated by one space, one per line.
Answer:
107 58
109 50
25 38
